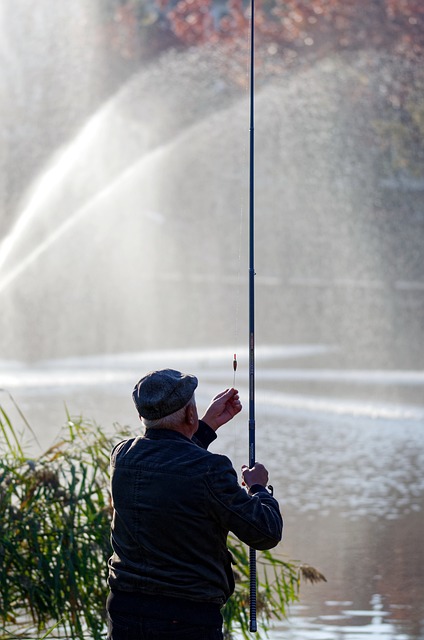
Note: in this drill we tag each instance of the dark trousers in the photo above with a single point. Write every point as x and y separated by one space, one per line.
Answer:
125 627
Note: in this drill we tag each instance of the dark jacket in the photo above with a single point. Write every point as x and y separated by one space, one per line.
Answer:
174 504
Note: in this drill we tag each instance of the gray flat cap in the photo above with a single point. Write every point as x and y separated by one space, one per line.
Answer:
160 393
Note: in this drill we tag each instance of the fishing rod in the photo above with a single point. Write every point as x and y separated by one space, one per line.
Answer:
252 454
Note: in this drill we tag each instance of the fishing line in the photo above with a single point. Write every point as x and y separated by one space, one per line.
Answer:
247 88
242 208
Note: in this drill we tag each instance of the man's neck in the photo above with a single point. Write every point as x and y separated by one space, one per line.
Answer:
184 429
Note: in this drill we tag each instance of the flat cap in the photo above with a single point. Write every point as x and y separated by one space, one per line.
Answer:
160 393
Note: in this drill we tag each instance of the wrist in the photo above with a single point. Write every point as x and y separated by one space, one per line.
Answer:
260 488
209 422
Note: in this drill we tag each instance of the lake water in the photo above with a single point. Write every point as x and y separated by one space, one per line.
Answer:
345 451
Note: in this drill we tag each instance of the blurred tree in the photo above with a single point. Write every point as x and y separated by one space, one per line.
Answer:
300 26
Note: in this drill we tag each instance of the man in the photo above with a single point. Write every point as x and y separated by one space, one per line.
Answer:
174 504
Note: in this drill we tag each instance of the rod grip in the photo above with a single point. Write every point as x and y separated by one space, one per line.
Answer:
252 622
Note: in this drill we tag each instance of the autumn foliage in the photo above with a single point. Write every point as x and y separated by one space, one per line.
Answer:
294 26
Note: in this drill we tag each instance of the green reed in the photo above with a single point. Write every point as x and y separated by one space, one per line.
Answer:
55 516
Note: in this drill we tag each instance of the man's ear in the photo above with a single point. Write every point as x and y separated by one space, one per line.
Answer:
190 415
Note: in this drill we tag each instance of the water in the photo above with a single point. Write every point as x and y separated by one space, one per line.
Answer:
345 457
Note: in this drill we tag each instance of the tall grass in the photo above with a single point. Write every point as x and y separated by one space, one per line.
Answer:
54 541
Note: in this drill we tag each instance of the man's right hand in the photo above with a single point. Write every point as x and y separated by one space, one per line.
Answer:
256 475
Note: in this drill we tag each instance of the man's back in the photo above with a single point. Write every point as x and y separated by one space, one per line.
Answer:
174 504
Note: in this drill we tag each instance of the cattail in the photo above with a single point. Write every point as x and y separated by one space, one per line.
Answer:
310 574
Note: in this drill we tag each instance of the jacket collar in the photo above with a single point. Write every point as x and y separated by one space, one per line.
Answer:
165 434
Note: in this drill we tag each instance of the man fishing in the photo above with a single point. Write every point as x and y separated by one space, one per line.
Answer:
174 504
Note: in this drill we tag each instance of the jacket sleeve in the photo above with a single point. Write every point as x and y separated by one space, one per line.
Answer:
204 435
254 519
